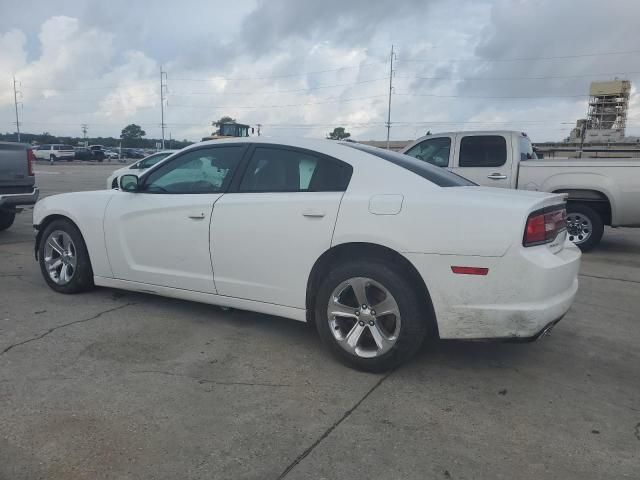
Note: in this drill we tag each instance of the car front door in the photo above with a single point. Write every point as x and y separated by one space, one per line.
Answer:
159 235
484 159
268 232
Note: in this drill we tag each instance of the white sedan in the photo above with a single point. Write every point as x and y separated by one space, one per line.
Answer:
138 167
377 249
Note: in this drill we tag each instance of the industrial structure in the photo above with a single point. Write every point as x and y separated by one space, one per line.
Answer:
607 113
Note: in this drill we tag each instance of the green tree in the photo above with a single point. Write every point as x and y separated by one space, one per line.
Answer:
224 119
132 134
338 134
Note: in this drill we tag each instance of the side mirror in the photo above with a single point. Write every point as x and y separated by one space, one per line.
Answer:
128 183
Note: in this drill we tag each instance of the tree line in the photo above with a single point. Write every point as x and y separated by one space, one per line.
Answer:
132 136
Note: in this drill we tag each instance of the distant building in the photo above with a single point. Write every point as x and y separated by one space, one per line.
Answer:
607 113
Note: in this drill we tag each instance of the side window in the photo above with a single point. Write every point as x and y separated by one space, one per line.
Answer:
434 151
280 170
526 149
483 151
200 171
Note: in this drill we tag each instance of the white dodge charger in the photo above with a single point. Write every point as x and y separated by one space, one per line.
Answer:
379 250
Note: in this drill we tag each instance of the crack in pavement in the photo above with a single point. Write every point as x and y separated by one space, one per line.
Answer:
327 432
53 329
608 278
214 382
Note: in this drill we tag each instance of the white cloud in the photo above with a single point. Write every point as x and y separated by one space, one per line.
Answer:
92 66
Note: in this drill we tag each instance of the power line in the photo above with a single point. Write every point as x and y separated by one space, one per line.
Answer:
493 97
550 77
267 77
326 101
526 59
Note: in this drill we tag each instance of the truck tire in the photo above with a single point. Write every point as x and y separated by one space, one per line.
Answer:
6 219
584 226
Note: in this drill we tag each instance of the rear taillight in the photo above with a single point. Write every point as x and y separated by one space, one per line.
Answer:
544 225
30 159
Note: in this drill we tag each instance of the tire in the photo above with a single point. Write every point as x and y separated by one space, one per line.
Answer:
6 219
52 159
81 275
379 277
584 226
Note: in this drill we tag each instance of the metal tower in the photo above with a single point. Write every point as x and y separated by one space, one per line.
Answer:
608 105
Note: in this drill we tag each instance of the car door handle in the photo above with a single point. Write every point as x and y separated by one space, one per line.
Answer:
313 212
197 216
496 176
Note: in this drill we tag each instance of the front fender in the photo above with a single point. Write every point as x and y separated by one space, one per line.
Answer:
86 210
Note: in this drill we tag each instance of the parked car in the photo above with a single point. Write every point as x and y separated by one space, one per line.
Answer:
111 155
602 191
138 167
132 153
82 153
54 152
377 249
87 154
17 181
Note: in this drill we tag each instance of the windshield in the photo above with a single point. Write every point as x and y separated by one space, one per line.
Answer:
437 175
151 160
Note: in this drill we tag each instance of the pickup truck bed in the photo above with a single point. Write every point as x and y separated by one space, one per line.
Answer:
590 180
17 181
601 191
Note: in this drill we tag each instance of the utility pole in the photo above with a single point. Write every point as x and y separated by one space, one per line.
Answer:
390 91
15 102
84 127
163 87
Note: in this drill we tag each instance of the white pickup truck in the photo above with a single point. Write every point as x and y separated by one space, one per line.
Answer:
602 191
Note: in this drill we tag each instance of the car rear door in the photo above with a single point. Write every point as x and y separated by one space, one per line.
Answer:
484 159
268 232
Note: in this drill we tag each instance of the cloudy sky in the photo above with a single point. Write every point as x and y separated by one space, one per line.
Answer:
302 67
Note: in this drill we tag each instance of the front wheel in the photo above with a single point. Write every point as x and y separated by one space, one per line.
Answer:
370 315
584 226
64 259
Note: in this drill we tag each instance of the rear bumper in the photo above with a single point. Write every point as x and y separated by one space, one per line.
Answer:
524 291
17 199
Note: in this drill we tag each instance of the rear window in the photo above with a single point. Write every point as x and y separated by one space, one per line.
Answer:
437 175
483 151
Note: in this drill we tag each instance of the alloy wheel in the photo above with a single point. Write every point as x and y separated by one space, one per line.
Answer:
60 257
364 317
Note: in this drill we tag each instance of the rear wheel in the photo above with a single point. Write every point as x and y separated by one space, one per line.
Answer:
6 219
64 259
584 226
370 316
